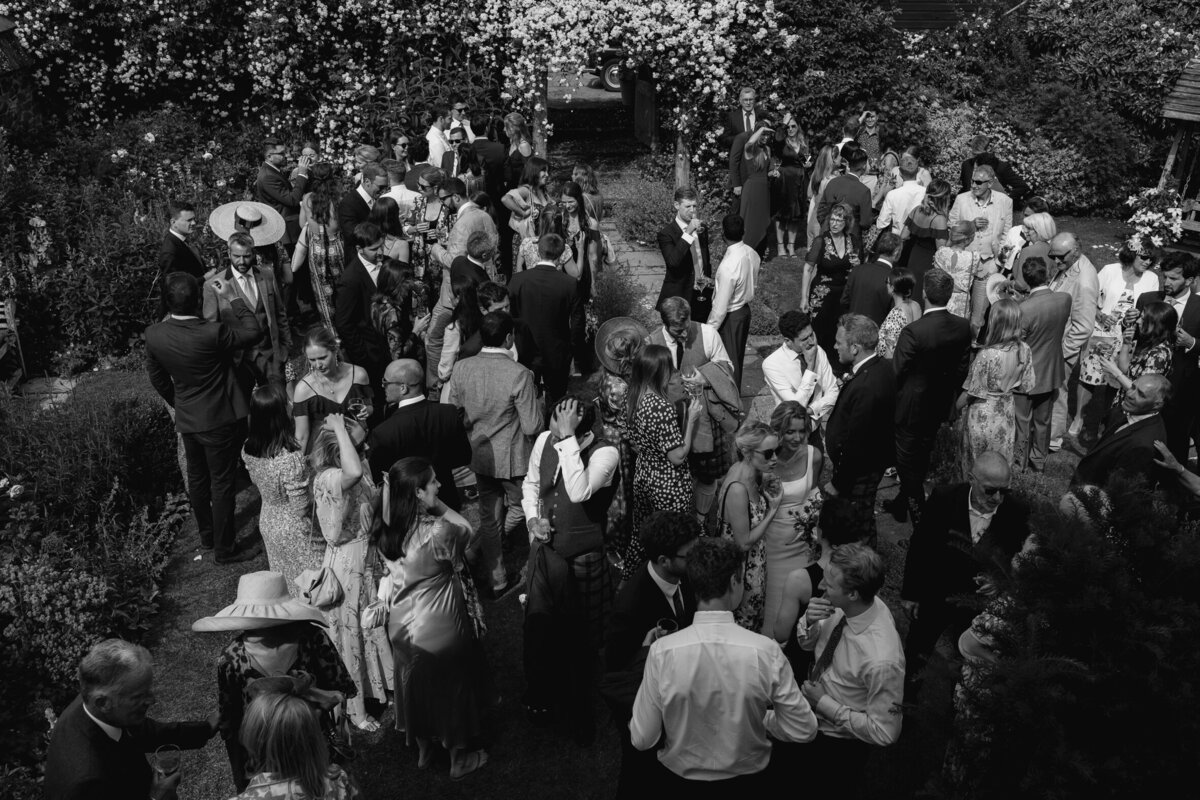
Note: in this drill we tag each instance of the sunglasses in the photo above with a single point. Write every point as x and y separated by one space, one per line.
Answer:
981 182
767 454
1056 256
457 141
423 185
992 491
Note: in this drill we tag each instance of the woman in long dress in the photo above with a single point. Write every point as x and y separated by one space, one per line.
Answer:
346 499
905 311
756 188
823 171
960 264
278 470
582 239
527 201
1003 366
926 229
428 223
788 201
320 242
792 541
435 620
747 505
826 269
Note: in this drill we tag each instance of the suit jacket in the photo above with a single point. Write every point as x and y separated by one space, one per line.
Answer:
448 163
931 360
430 430
351 210
867 292
364 346
1131 448
501 411
175 255
1185 370
548 302
462 265
283 195
847 189
680 279
942 560
270 353
637 608
1013 185
192 365
735 123
860 435
491 155
83 763
1044 318
471 218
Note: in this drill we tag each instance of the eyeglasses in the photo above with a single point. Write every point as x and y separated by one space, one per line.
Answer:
767 454
992 491
456 141
462 110
445 196
1056 256
978 182
423 185
402 144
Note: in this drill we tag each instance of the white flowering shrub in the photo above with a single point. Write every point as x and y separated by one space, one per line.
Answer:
1157 218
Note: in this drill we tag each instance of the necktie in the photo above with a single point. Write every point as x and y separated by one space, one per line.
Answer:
677 602
678 354
249 290
827 654
747 128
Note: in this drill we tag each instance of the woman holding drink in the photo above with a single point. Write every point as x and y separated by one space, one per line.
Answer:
331 386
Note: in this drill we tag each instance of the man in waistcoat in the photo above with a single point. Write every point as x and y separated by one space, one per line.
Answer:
702 367
571 481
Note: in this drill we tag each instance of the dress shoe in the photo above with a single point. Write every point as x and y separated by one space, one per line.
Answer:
240 555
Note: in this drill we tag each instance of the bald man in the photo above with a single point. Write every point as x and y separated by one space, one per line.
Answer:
1071 272
962 531
416 427
1129 446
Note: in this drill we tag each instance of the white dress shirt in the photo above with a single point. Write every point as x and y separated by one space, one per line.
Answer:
864 683
405 198
580 482
717 690
736 279
814 388
370 201
438 145
111 731
980 520
668 589
372 269
998 210
466 126
714 349
898 204
247 284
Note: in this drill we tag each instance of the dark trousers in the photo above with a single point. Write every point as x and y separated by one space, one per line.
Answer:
913 449
668 784
1033 412
934 617
556 378
212 458
831 767
735 330
1179 417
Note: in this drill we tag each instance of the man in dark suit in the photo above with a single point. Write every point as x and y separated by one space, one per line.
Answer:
177 254
99 745
191 362
867 290
456 160
931 359
658 590
1044 318
1179 272
742 118
363 346
418 427
1130 446
491 154
258 289
965 529
684 245
850 189
355 207
859 434
275 189
547 301
1010 181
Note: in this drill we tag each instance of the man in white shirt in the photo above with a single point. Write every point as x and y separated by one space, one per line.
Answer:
736 277
799 370
857 682
405 198
716 690
899 202
439 145
991 211
1074 274
565 495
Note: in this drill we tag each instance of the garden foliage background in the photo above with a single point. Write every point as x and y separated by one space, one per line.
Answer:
149 100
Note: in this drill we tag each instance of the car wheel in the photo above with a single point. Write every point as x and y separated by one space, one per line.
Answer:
610 75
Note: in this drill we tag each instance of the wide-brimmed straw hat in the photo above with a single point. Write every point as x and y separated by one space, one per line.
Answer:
261 221
612 330
262 602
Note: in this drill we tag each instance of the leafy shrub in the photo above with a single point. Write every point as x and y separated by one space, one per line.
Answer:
616 294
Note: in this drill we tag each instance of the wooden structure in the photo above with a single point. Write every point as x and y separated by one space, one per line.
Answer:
927 15
1182 167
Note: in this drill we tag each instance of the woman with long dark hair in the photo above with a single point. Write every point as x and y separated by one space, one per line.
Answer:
428 222
827 267
275 461
435 619
582 238
787 187
661 478
530 197
755 163
464 322
399 312
1151 351
926 229
320 244
550 220
386 214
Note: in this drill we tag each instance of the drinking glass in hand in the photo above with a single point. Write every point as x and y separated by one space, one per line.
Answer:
167 760
359 409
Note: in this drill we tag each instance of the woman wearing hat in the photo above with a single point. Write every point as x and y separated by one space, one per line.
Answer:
435 619
277 636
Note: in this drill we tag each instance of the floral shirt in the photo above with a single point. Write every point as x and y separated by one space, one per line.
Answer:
264 785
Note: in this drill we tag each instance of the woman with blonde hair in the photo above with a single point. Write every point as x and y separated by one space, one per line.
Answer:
926 229
289 752
1003 366
960 264
824 169
746 506
1036 231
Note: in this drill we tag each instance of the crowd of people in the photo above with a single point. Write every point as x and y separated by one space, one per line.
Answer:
712 574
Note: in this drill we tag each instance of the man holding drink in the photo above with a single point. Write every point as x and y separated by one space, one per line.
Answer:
991 211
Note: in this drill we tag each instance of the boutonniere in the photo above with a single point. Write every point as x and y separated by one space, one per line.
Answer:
703 282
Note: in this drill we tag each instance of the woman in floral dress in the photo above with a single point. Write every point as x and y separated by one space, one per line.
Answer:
428 223
1003 366
346 502
961 264
661 478
320 243
278 470
527 201
1150 353
905 311
747 506
826 269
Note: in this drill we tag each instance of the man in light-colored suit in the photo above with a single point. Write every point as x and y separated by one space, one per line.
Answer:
991 211
502 414
1071 272
1044 318
258 289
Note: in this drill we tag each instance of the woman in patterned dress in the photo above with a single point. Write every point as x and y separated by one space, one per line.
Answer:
278 470
747 506
527 200
1003 366
320 242
826 269
661 478
435 619
428 223
960 264
290 752
1150 353
905 311
346 500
